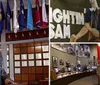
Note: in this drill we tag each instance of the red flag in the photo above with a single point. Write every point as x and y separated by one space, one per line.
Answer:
98 51
44 15
37 14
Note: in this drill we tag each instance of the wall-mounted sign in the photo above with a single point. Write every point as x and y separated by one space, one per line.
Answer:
68 20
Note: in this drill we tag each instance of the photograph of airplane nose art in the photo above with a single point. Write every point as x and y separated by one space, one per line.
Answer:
75 21
75 64
24 42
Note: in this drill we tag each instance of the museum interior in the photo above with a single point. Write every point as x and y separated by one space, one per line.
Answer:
74 64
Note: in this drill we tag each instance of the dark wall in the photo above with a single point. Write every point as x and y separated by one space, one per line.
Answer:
72 5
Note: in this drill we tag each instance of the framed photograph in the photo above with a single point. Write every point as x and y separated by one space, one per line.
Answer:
87 51
61 62
70 50
77 50
82 50
54 61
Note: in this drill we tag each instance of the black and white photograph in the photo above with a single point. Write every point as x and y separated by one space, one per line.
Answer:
54 61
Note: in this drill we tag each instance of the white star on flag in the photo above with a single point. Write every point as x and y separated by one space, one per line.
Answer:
22 12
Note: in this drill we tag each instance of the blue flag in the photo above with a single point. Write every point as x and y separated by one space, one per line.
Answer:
29 16
8 17
22 16
2 17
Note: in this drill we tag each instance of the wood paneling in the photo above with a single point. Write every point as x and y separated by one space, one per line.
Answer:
37 49
16 50
39 77
17 77
24 35
30 44
30 49
32 72
31 69
23 45
24 77
24 70
39 69
46 76
31 77
16 45
46 69
24 50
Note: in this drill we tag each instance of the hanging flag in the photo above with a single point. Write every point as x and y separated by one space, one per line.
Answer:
2 17
22 16
37 14
44 15
15 21
29 16
98 52
8 17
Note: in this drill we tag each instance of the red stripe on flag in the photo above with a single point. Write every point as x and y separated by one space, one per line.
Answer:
37 14
98 52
